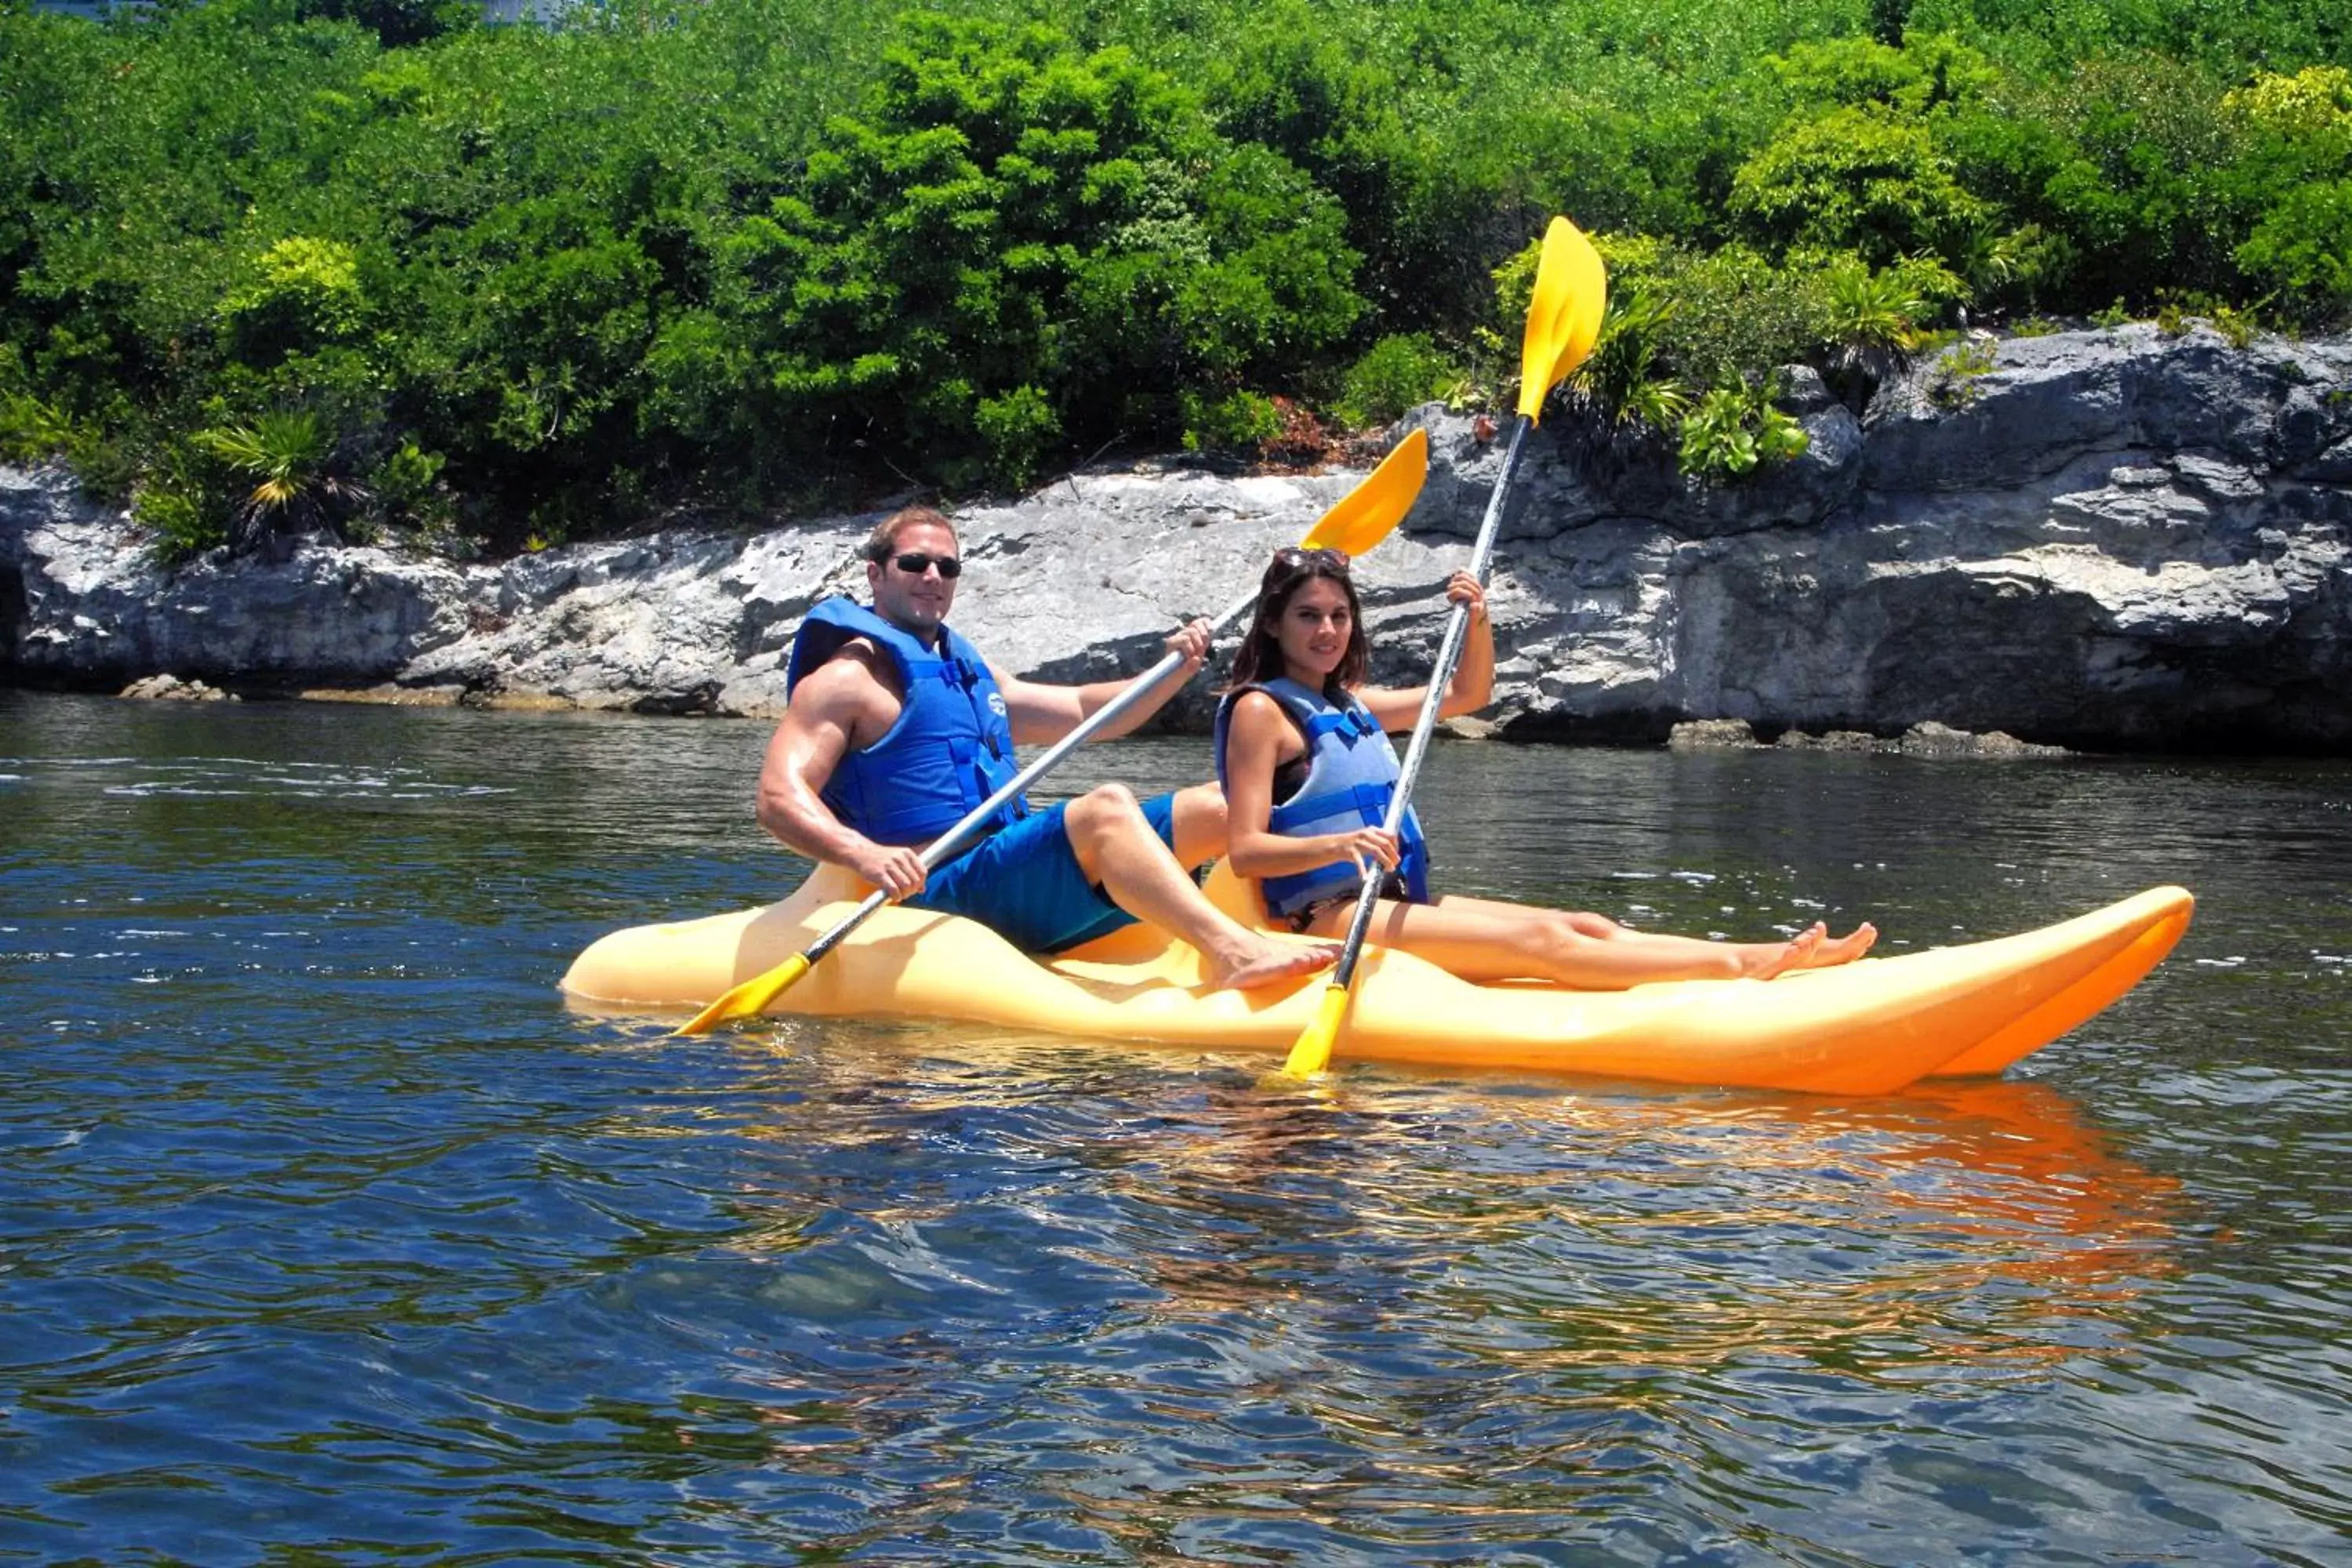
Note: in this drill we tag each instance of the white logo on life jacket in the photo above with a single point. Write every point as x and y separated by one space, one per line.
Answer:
996 704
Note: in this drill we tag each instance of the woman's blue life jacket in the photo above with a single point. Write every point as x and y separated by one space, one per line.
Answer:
1351 775
951 749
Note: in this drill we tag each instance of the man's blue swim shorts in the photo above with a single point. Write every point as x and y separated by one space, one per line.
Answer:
1026 883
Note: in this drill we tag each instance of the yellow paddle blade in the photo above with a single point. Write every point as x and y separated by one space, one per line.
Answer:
1312 1050
1367 514
1564 316
752 997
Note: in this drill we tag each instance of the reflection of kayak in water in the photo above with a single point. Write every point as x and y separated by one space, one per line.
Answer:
1867 1028
1967 1221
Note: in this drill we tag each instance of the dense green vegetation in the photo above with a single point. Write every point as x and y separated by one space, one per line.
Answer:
268 263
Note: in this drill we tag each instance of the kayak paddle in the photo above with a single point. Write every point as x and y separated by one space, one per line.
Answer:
1361 520
1563 320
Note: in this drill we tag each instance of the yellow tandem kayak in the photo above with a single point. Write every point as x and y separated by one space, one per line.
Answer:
1869 1027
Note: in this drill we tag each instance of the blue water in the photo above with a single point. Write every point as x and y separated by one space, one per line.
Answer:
329 1236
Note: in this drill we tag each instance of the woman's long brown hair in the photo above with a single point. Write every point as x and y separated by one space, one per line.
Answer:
1259 658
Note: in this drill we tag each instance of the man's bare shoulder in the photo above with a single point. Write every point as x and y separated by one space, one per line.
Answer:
857 678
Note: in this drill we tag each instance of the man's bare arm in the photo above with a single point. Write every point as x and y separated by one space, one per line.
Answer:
1040 714
833 710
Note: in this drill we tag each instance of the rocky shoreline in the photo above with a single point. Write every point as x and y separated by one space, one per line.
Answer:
2113 539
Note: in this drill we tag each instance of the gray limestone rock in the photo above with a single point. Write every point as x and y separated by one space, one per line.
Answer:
2100 540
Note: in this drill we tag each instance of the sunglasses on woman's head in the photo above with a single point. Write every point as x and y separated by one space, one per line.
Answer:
1294 555
914 562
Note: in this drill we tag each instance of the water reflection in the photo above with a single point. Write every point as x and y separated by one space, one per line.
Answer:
1299 1322
1986 1221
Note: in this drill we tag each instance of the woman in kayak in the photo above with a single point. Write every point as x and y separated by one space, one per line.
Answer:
1307 770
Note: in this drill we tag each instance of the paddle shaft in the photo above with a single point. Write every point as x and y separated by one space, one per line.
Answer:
949 844
1449 654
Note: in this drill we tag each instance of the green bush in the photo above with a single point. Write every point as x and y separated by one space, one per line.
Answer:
294 468
1863 179
31 431
184 523
2299 165
1734 430
1396 375
2143 186
1017 430
302 293
1869 324
1623 389
1008 213
1953 380
746 252
1237 422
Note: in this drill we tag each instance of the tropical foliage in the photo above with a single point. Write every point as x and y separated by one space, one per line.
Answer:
490 285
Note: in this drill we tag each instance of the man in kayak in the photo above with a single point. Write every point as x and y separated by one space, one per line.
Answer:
1303 754
895 729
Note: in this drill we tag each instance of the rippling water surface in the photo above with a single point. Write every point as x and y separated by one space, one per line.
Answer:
328 1236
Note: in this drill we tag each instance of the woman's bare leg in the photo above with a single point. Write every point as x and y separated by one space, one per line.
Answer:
1197 818
1484 939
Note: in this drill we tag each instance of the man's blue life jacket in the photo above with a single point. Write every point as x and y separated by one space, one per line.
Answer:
1351 775
951 749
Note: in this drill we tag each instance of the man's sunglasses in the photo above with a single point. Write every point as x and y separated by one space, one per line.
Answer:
913 563
1293 555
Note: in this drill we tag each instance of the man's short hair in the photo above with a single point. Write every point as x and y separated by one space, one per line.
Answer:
883 543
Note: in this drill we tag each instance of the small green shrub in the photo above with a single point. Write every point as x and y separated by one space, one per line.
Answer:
1734 430
1397 374
1624 388
1015 430
2303 247
1869 324
1952 381
2179 309
302 293
2240 327
181 501
406 490
31 431
1863 179
184 523
1239 421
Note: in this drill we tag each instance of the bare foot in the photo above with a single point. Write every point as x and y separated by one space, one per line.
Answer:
1265 962
1843 950
1763 960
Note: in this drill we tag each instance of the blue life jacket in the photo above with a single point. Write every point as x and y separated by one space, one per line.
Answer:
951 749
1351 775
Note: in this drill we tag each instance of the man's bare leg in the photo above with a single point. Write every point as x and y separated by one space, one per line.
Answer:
1118 849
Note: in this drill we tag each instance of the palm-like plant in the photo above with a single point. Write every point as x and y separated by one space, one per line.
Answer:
292 460
1869 324
1621 393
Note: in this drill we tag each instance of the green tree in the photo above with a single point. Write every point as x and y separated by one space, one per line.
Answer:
2298 173
1866 179
1007 212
